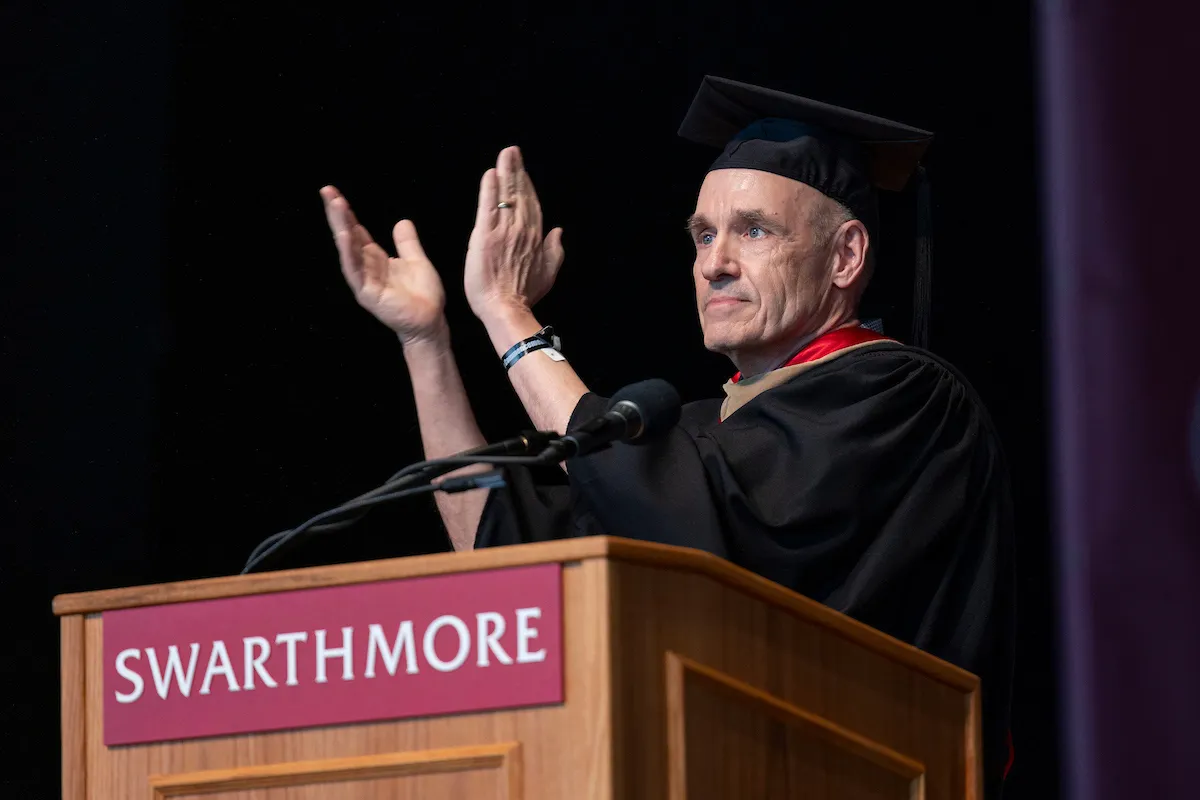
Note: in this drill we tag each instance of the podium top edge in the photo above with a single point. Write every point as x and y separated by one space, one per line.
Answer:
560 551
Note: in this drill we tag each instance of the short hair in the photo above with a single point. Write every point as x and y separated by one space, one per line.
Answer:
825 217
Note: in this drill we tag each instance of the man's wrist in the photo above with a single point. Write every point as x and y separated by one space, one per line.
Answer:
433 342
508 325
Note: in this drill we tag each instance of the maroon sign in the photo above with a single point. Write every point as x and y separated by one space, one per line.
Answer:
405 648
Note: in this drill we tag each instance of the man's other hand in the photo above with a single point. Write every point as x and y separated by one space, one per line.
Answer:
404 293
509 265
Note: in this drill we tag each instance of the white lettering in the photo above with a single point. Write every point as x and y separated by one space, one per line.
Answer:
525 633
125 672
391 655
254 664
343 652
464 643
488 641
174 667
225 667
290 639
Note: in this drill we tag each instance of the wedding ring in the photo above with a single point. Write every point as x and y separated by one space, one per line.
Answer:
504 205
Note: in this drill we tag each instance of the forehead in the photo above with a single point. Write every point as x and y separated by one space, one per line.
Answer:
727 190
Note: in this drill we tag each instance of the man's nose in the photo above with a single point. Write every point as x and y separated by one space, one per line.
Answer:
720 260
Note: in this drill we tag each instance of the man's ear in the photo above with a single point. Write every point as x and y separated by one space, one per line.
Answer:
848 254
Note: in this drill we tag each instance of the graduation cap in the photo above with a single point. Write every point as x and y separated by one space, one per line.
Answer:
846 155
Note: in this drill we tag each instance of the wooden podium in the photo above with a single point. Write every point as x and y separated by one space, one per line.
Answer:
684 677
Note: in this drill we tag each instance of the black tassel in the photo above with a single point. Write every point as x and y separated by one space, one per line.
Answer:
922 294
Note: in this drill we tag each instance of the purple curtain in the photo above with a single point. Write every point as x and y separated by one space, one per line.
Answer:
1121 165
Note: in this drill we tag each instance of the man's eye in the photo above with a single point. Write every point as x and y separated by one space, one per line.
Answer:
706 238
757 233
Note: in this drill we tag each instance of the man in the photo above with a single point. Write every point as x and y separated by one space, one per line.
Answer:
842 464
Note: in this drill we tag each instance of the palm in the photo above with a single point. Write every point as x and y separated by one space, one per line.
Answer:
409 299
405 292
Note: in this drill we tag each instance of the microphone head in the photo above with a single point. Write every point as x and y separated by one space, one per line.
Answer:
657 408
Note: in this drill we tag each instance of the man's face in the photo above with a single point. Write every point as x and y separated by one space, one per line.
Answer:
760 280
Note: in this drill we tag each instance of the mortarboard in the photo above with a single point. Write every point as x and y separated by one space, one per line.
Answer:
846 155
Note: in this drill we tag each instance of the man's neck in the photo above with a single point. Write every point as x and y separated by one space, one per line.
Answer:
766 360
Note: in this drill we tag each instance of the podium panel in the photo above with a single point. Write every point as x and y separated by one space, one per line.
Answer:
769 653
728 739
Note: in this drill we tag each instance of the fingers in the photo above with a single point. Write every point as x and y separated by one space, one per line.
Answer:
529 209
517 188
507 165
342 223
364 263
328 193
341 218
408 246
552 250
487 215
349 257
334 211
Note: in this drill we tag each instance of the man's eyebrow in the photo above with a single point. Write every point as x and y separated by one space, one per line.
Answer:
748 217
758 217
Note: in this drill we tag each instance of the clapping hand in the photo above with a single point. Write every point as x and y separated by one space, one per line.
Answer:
405 292
509 265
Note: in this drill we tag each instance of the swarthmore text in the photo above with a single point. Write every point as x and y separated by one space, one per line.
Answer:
289 658
333 655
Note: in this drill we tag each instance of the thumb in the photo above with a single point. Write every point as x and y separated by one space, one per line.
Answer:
552 249
408 246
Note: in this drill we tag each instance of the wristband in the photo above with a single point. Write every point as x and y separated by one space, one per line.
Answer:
545 339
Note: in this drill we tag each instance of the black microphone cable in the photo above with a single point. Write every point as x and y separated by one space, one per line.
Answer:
343 517
396 488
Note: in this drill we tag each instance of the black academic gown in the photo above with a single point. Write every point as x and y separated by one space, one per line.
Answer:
873 482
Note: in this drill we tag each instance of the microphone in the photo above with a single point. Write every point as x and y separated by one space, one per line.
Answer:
636 414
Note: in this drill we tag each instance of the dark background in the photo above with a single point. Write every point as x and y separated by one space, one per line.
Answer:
185 371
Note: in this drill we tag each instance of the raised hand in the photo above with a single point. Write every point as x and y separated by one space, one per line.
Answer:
509 265
404 293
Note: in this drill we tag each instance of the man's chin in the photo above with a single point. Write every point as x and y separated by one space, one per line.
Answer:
724 345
